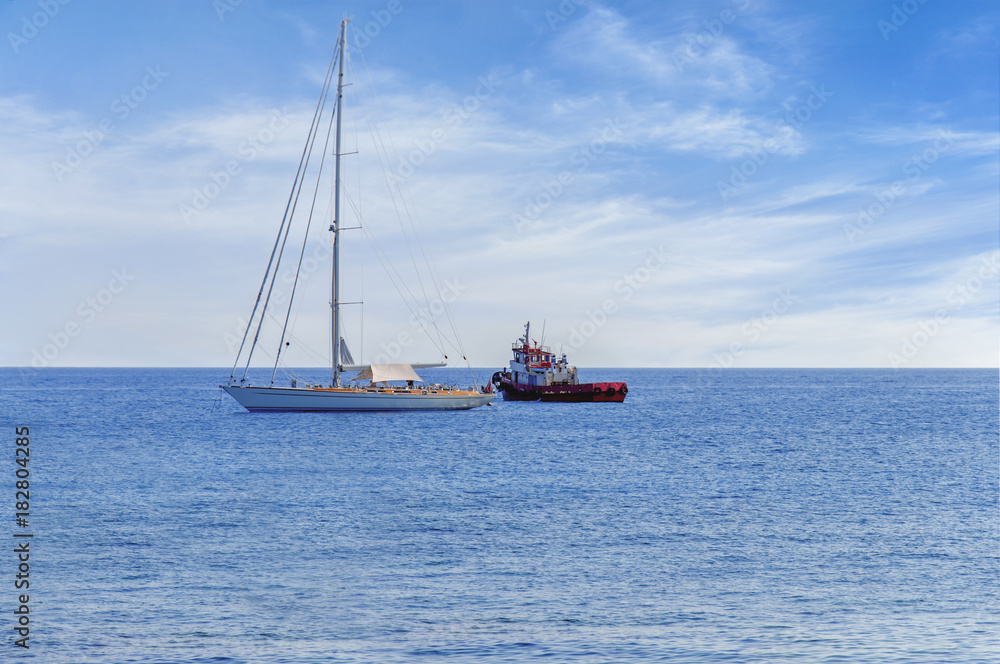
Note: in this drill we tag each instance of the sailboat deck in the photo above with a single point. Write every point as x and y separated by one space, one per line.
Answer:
390 390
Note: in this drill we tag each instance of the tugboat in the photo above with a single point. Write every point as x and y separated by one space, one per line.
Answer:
535 374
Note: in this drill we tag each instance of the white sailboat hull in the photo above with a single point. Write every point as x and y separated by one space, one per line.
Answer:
291 399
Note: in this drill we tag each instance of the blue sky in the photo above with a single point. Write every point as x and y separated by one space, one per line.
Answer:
735 183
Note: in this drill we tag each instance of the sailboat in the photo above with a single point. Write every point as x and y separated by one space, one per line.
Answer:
377 387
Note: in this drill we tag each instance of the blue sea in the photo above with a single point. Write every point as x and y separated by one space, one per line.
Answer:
735 516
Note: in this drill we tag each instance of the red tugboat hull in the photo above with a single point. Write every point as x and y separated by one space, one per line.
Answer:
586 392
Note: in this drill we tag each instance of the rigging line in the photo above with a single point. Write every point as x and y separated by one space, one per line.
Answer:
396 284
425 306
393 193
354 127
397 281
264 350
427 255
432 268
411 214
435 277
431 262
435 274
361 244
295 203
422 316
305 239
390 270
402 191
394 276
307 349
298 172
298 342
296 190
301 345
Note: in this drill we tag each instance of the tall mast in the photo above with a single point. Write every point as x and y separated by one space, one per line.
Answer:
335 296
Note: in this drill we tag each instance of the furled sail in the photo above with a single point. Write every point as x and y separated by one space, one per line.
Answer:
378 373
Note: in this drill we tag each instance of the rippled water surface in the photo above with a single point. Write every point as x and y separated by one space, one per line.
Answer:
743 516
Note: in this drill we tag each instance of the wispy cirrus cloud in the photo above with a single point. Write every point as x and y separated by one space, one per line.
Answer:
710 131
971 40
956 142
605 41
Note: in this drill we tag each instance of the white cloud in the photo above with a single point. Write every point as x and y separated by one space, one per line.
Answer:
708 131
943 137
604 40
